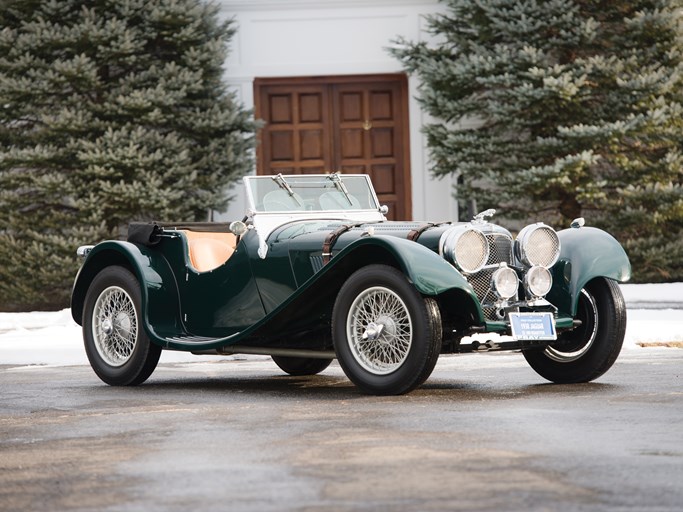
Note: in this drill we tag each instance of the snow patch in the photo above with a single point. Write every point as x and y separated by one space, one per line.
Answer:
653 296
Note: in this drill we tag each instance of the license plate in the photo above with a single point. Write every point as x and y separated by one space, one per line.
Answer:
533 326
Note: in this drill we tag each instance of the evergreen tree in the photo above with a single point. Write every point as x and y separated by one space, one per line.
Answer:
110 111
561 109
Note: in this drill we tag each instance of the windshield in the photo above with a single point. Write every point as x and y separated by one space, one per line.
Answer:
310 193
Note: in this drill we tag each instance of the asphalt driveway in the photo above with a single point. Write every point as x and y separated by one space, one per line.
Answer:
484 433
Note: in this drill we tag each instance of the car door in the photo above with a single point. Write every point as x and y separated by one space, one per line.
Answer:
222 301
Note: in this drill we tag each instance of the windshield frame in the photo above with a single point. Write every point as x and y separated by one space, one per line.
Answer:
289 183
265 222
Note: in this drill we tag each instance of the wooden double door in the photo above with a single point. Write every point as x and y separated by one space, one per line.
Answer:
349 124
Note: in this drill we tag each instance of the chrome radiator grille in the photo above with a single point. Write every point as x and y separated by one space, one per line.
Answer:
500 249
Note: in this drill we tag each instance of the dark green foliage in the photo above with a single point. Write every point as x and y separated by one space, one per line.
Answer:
563 108
110 111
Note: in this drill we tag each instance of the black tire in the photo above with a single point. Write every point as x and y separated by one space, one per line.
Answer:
299 366
115 341
394 358
585 353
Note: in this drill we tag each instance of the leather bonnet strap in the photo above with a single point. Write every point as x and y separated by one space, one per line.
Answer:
332 237
414 234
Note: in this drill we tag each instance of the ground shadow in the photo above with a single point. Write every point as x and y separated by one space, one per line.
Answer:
332 385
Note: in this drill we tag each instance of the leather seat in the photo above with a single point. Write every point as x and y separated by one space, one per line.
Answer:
208 251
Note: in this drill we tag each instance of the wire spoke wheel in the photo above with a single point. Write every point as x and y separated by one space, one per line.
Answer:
386 335
115 326
379 330
115 340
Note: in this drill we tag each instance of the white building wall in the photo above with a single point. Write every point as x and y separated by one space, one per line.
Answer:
334 37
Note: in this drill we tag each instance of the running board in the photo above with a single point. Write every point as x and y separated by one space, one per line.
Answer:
269 351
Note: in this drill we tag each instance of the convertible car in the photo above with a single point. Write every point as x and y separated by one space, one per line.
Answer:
315 272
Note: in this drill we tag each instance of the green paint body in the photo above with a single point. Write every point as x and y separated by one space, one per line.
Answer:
286 299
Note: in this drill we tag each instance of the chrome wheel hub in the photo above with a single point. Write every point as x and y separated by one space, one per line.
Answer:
373 331
107 326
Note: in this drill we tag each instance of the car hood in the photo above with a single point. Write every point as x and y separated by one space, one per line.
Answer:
310 236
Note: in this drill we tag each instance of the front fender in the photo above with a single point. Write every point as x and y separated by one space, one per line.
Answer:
586 253
160 305
309 307
430 273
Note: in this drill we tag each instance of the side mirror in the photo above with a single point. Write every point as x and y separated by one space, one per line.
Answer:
384 209
238 228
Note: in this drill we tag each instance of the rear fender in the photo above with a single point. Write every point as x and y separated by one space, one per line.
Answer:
160 304
586 253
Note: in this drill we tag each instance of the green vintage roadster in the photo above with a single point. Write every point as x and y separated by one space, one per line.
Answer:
315 272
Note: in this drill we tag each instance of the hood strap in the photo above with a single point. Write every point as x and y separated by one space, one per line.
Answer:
414 234
331 239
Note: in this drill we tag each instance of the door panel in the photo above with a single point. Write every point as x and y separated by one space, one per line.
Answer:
382 143
311 145
351 143
381 106
351 106
280 108
310 108
384 179
281 146
348 124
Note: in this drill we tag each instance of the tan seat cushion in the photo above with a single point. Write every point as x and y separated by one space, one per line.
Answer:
209 250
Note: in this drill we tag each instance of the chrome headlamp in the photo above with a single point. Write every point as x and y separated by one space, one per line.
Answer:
537 245
504 282
465 247
538 281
